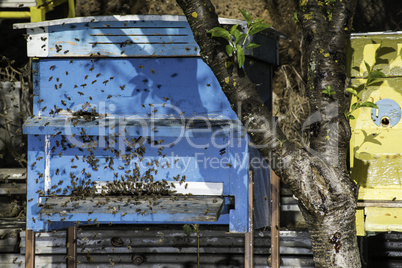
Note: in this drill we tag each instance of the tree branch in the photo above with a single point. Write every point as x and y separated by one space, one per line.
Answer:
238 88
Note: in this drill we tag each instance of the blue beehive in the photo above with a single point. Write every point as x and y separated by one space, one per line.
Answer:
131 126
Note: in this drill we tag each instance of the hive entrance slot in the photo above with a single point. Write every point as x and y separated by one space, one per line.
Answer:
385 121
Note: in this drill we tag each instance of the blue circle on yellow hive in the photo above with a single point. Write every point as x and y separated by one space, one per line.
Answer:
388 113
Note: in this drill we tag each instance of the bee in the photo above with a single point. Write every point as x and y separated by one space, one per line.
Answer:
93 82
122 52
33 164
182 113
66 72
83 85
73 166
79 92
71 61
65 52
30 200
33 219
105 82
91 69
97 75
111 78
86 77
109 96
50 78
57 171
55 86
76 39
39 101
52 67
44 108
166 98
122 87
75 86
63 102
60 85
229 165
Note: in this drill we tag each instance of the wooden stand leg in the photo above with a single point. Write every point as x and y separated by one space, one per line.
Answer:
72 247
29 249
275 196
248 237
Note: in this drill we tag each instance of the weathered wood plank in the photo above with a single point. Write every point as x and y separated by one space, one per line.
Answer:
178 208
17 3
12 189
13 174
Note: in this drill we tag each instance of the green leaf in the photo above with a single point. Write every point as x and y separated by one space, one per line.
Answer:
229 50
240 56
328 91
241 37
258 28
257 21
351 117
355 106
369 104
187 229
374 75
220 32
352 90
367 67
247 16
234 27
252 45
236 33
295 18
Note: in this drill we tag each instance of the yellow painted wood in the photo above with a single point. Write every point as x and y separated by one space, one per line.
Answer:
15 14
360 222
383 193
376 151
383 219
38 12
384 49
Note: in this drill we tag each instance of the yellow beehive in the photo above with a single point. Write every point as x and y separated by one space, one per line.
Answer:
376 142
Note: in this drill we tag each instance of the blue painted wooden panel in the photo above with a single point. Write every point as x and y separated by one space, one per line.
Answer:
122 38
130 36
163 87
55 161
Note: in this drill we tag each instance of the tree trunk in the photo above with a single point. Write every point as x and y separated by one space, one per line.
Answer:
317 175
333 238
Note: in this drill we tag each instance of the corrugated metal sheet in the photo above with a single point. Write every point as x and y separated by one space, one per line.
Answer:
167 246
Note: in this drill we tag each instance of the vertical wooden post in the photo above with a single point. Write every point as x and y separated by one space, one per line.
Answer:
248 237
275 197
71 247
29 249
